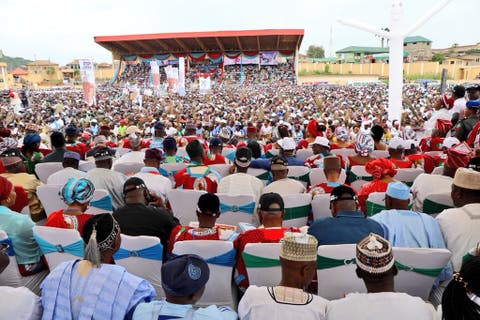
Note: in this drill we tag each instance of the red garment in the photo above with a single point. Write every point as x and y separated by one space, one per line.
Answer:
380 167
21 201
431 144
111 144
145 144
334 146
326 187
474 135
56 220
214 159
369 187
310 162
205 180
240 144
402 164
354 163
181 233
302 144
78 147
261 235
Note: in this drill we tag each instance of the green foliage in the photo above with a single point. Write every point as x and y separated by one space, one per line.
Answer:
472 51
327 68
438 57
14 62
425 76
315 52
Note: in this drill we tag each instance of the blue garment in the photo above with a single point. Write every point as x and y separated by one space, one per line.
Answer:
265 163
346 227
94 129
19 228
409 229
165 310
156 142
107 292
293 161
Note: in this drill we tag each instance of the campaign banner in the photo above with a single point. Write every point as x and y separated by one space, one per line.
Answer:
172 78
204 84
155 75
229 61
268 58
87 74
250 60
181 76
242 59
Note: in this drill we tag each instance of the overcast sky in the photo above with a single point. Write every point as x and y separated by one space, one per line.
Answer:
62 30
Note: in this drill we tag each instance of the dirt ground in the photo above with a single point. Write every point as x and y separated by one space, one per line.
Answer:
336 79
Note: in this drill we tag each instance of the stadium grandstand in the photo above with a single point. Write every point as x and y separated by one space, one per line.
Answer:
226 57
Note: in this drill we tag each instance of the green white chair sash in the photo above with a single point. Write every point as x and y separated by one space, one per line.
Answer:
297 212
353 177
431 207
252 261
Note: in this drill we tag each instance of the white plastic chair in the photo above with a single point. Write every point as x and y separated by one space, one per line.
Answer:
321 206
414 265
297 209
219 290
261 174
304 154
318 176
236 209
362 176
226 153
344 152
261 263
299 173
375 203
142 256
86 166
184 204
408 175
46 169
128 167
222 169
58 245
435 203
121 152
380 153
335 282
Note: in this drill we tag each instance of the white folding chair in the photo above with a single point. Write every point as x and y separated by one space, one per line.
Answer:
46 169
86 166
182 152
262 263
236 209
304 154
169 169
418 268
101 202
128 167
184 204
375 203
321 206
11 275
48 196
220 256
297 209
261 174
358 177
318 176
142 256
299 173
408 175
336 271
229 153
58 245
344 152
380 153
435 203
121 151
222 169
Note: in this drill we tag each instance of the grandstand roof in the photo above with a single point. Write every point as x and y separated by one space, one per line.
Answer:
216 41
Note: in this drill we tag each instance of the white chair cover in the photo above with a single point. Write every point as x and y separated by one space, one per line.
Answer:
360 172
299 173
222 169
46 169
438 170
380 153
259 173
264 275
128 167
344 152
228 151
408 175
219 289
239 208
184 204
60 238
182 152
121 152
318 176
171 169
304 154
321 206
86 165
145 267
19 303
294 202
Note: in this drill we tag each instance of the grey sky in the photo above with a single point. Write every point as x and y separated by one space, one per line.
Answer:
62 30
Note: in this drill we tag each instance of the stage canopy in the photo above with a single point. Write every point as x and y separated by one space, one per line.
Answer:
285 41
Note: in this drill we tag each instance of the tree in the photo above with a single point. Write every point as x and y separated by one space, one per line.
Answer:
438 57
315 52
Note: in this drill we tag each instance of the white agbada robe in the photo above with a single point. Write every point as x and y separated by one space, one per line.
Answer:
258 303
285 187
61 177
19 303
380 306
132 156
461 230
426 184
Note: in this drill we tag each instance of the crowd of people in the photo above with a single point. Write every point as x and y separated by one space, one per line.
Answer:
267 129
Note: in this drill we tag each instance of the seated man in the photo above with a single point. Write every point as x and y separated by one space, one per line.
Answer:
135 154
376 267
215 154
170 149
271 210
396 147
288 300
70 163
151 175
93 288
347 224
321 149
281 183
57 140
143 213
332 170
183 280
208 210
287 149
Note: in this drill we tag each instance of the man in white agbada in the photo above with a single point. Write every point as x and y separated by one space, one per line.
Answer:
71 161
281 183
288 300
376 266
461 225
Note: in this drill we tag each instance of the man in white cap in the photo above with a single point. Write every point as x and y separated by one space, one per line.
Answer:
281 183
136 154
321 149
376 267
396 147
287 149
288 300
461 225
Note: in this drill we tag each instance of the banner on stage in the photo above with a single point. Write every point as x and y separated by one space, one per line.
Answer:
243 59
87 74
181 76
172 78
269 58
204 84
155 75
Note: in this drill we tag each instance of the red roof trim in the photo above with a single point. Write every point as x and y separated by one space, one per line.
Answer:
238 33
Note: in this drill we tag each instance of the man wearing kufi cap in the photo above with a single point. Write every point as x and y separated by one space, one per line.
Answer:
461 225
332 169
376 267
70 165
71 143
465 125
136 154
214 156
158 135
287 149
396 147
459 104
321 149
282 184
288 300
183 280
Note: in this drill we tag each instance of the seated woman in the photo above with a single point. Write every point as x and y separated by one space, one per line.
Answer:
377 133
208 210
382 171
363 147
76 193
342 139
93 288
